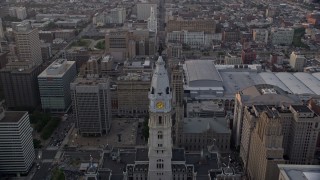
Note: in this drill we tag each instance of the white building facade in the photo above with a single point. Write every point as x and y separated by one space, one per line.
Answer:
117 15
297 61
282 36
16 142
152 21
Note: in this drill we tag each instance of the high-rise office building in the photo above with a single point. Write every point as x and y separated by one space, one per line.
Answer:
91 103
18 12
296 130
124 44
266 150
177 85
20 85
118 15
21 13
297 61
262 94
144 10
16 142
1 30
28 43
132 90
54 85
152 21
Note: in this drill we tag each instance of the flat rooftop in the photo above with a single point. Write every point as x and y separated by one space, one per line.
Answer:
298 172
301 108
12 116
236 81
229 79
178 154
201 70
142 154
294 84
57 69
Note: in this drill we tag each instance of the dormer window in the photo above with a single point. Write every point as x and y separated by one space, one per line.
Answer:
152 90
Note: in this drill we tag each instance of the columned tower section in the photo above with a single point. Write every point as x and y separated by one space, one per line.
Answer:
160 124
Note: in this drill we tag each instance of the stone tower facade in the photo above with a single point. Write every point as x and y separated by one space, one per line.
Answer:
160 124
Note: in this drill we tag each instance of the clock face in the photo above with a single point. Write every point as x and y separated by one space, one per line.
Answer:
160 105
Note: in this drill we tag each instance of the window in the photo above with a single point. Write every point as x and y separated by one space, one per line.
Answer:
159 145
160 163
160 120
160 135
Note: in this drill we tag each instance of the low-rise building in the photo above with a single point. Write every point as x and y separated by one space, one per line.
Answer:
196 133
205 109
260 35
232 59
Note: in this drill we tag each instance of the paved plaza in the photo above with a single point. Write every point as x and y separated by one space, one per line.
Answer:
123 133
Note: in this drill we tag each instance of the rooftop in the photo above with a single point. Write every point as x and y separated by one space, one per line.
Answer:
298 172
294 84
301 108
201 70
317 75
267 94
142 154
236 81
200 125
57 69
135 77
90 80
271 78
178 154
310 81
12 116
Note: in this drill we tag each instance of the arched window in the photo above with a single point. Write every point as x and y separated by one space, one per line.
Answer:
160 120
160 135
160 163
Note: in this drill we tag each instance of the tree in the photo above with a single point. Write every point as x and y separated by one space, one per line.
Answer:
49 128
100 45
51 25
57 174
37 143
